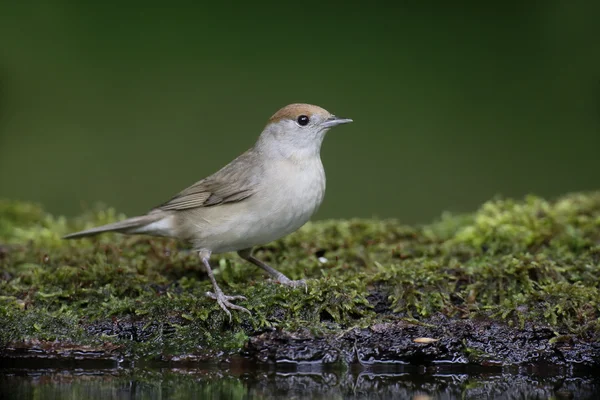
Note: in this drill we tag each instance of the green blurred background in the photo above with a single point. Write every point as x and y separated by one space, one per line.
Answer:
453 102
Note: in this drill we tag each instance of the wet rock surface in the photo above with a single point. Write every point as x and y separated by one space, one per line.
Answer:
432 342
437 340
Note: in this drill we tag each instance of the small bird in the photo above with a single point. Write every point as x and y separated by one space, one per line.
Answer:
268 192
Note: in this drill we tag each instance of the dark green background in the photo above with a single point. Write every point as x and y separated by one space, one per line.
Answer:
453 102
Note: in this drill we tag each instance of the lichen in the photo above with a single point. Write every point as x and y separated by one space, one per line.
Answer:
529 261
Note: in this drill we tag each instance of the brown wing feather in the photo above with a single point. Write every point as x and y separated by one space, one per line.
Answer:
230 184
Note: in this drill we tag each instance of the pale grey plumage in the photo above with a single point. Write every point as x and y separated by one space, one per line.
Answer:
267 192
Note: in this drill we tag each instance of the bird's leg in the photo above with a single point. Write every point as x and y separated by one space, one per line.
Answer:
246 254
222 299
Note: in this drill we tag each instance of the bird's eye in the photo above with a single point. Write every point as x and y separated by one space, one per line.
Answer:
303 120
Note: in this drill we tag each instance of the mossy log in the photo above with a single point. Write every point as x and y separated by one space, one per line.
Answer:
516 282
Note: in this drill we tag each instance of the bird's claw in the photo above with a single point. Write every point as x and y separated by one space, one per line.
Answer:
224 301
294 284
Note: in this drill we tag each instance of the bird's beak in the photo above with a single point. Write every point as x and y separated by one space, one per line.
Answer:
334 121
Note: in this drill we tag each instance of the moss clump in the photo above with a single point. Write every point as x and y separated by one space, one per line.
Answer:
531 261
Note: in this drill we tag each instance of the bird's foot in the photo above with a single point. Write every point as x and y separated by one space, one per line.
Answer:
284 280
225 302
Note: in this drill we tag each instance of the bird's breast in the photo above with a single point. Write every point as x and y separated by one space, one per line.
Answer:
295 195
287 196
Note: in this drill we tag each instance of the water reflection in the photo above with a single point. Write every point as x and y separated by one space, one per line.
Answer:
240 380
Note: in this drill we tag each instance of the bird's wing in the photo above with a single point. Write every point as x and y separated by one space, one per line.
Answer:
231 184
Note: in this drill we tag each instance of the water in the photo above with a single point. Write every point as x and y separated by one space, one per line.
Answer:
240 380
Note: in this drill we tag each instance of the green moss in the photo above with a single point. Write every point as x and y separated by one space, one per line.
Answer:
534 261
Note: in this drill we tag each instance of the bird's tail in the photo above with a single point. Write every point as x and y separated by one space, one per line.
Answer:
129 225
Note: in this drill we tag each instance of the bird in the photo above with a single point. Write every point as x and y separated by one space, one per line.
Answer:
264 194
